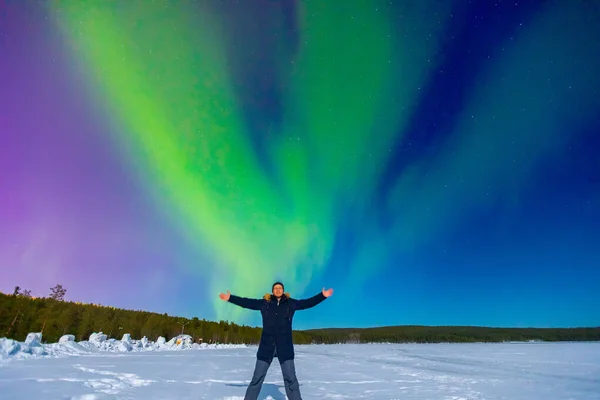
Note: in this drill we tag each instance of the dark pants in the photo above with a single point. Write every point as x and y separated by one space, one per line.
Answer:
292 387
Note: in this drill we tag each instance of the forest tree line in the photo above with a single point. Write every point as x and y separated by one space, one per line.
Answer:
21 314
450 334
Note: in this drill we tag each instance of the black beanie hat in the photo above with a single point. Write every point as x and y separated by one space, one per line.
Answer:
277 283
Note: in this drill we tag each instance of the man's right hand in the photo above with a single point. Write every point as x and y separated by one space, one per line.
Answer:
225 296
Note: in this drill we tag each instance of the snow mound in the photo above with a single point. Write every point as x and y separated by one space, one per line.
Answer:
9 347
98 343
66 338
31 347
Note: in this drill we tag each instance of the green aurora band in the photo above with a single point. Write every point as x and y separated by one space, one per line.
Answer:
161 71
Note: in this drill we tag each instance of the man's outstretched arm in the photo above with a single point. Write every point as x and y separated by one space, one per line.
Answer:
244 302
313 301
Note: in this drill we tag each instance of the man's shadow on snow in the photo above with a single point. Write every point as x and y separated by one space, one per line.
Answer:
268 389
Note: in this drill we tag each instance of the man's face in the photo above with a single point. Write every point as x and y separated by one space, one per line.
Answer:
278 290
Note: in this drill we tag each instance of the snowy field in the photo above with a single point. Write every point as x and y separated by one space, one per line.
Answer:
113 370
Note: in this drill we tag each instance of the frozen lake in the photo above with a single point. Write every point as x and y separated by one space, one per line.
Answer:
528 371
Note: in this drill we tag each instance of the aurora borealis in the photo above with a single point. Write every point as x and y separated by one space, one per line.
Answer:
433 162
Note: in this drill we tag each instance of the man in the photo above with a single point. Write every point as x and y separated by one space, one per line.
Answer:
277 309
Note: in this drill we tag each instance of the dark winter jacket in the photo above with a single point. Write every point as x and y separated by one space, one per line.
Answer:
276 339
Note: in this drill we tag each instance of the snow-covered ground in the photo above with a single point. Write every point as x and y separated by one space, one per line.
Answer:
507 371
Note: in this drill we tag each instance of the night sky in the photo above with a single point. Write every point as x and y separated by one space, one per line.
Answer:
435 162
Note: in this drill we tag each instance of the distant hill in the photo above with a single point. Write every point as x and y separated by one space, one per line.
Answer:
20 314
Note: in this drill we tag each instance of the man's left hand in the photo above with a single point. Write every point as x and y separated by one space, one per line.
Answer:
327 293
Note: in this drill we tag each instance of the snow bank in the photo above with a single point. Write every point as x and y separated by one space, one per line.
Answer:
97 343
31 347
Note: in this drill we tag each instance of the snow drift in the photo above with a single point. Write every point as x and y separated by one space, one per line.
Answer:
97 343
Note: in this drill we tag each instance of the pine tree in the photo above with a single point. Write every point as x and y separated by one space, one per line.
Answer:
58 293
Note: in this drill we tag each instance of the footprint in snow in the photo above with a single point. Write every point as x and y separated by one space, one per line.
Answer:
112 382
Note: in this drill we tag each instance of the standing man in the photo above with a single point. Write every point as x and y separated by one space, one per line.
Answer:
277 309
